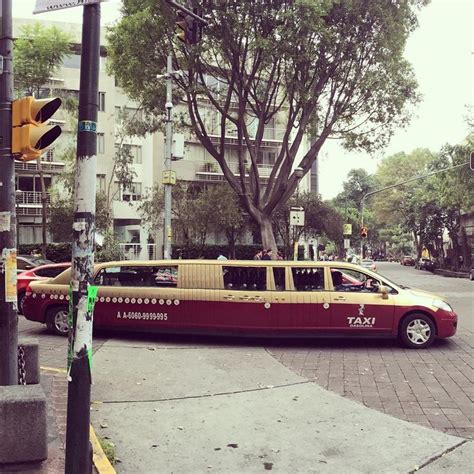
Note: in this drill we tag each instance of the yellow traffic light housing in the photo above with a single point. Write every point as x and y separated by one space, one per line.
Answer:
31 134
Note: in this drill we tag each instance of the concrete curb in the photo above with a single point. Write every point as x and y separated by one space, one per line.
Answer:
100 460
451 274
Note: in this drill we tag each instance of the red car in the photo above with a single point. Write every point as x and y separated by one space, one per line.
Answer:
43 272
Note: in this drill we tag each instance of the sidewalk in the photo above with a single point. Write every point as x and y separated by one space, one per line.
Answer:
181 408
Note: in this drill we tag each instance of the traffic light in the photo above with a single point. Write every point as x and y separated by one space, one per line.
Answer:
364 231
31 134
191 29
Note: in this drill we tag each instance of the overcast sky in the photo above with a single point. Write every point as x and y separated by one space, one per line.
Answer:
441 51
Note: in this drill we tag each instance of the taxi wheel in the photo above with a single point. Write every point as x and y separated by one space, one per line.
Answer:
417 331
21 298
57 320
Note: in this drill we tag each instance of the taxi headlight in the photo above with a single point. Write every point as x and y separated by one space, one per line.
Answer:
442 305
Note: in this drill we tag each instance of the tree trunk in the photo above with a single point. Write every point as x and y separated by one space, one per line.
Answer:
44 209
268 238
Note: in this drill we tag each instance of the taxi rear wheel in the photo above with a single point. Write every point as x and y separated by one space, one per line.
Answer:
417 331
57 320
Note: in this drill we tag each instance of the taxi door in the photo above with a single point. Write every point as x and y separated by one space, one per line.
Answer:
355 304
299 298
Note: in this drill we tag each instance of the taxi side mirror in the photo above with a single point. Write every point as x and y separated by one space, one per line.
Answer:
383 291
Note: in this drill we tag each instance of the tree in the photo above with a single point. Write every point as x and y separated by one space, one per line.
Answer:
327 69
37 53
196 211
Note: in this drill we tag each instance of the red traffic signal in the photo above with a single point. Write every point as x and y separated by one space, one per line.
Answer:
364 232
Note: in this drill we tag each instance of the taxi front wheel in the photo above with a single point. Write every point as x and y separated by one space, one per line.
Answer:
57 320
417 331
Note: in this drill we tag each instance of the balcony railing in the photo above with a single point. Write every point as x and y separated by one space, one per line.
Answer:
31 198
271 136
139 252
32 166
211 171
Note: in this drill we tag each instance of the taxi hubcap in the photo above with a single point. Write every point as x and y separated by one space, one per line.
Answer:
418 331
60 321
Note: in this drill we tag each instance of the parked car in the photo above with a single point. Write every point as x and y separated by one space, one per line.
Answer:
407 260
28 262
42 272
370 264
425 264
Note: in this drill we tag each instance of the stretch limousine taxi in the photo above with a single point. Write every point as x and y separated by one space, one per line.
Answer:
237 297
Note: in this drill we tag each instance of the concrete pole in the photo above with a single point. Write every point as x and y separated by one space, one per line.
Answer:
167 236
8 217
78 448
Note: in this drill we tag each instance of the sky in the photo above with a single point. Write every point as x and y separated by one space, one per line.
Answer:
441 51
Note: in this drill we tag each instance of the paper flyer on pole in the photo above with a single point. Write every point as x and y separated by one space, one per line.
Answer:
43 6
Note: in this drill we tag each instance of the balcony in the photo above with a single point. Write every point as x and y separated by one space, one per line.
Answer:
30 198
272 137
32 166
210 171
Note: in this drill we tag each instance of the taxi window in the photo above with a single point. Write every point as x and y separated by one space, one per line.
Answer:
245 278
308 278
347 279
126 276
279 277
50 272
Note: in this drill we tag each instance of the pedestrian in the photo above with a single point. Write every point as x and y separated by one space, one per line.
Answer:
267 255
279 256
258 255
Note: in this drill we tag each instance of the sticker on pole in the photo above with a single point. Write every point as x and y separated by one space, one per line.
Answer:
87 126
9 258
52 5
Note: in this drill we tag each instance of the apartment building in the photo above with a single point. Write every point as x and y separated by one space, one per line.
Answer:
148 153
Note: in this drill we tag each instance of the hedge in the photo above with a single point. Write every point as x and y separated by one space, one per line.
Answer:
56 252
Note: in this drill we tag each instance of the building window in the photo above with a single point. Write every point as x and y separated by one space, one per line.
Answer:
134 150
132 193
100 143
101 101
266 157
49 156
72 61
100 183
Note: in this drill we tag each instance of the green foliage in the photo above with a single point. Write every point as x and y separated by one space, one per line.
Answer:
210 252
58 252
109 449
38 52
110 249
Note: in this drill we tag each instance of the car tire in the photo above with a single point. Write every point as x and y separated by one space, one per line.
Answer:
21 298
417 331
57 320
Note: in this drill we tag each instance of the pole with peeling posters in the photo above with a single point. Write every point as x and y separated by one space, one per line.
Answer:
81 293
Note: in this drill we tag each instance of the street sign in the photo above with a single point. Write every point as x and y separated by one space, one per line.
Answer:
169 177
53 5
297 218
347 229
347 244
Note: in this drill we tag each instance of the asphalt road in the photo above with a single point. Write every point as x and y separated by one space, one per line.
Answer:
432 387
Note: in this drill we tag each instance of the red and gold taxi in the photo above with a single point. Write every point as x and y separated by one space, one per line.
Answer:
267 298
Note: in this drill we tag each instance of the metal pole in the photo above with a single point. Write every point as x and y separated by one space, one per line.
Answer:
82 297
362 225
8 309
167 237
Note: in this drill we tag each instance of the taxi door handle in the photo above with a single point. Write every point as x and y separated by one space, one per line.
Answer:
279 299
339 298
229 297
245 298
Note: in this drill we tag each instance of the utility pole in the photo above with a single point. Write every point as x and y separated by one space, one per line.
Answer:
8 301
168 176
82 293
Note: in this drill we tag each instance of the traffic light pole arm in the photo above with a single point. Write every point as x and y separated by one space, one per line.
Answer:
188 12
362 201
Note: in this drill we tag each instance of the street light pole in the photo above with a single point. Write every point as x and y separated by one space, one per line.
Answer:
167 235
